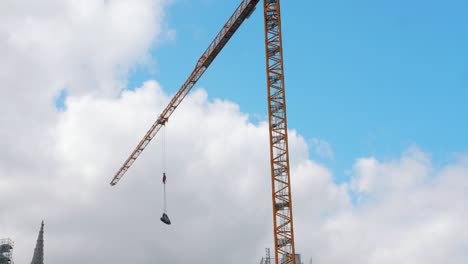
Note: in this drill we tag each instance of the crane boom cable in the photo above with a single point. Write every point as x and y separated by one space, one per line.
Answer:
165 203
243 11
164 132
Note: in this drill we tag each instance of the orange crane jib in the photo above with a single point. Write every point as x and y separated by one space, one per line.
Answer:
242 12
279 153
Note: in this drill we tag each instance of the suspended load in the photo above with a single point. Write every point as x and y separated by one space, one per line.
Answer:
165 219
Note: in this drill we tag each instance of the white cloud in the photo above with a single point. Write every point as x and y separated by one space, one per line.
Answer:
373 176
219 192
322 148
410 207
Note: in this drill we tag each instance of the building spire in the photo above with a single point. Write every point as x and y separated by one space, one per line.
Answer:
38 257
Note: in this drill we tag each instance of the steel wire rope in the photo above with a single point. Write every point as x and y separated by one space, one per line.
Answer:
164 166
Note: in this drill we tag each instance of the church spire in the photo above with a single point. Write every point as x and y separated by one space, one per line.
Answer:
38 257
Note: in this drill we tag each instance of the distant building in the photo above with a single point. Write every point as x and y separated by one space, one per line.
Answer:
6 248
38 257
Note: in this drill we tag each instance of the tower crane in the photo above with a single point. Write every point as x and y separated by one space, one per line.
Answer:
279 155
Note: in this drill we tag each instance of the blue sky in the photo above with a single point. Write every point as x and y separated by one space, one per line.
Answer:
369 77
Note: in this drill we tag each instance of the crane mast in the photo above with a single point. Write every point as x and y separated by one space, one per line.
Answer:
279 153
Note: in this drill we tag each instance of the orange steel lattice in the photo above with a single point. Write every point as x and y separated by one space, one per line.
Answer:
280 179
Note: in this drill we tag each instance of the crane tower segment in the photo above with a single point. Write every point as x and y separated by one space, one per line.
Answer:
279 153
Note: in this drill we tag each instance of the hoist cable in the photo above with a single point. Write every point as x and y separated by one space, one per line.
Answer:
164 167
